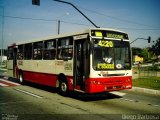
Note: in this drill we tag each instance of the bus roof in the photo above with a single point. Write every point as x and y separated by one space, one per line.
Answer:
86 31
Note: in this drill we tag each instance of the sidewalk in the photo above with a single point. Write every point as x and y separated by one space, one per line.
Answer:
145 90
3 69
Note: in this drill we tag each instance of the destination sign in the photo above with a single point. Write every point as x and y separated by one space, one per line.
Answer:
109 34
112 35
105 66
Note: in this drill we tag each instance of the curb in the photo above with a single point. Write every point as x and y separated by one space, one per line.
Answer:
2 72
145 90
3 69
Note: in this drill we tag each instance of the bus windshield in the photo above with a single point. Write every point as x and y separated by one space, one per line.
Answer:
111 55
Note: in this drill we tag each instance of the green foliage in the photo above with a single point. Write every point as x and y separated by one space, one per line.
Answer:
156 47
136 51
146 53
149 82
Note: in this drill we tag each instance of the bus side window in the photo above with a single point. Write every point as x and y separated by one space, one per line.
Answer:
37 50
10 53
65 49
28 51
49 52
20 52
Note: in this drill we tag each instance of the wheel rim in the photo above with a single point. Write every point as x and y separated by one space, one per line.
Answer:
20 78
63 87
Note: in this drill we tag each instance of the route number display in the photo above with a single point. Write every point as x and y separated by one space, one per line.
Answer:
105 43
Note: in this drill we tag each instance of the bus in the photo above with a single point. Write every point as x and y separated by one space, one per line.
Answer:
90 61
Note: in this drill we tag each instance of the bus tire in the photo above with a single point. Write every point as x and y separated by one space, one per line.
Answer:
63 88
21 80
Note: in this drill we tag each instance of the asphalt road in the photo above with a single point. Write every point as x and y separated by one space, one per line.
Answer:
34 102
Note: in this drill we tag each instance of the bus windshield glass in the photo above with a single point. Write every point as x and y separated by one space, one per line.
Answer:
111 55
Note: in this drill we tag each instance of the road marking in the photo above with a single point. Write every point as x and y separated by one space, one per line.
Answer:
5 103
138 101
129 100
118 93
9 82
5 77
3 85
156 105
28 93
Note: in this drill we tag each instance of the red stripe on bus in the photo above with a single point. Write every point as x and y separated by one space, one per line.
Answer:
40 78
92 85
45 78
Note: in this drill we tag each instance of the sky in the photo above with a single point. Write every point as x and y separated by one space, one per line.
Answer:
23 21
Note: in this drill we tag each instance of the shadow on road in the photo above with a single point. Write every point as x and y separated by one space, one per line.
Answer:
93 97
41 87
34 85
75 95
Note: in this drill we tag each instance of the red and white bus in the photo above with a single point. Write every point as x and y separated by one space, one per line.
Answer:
90 61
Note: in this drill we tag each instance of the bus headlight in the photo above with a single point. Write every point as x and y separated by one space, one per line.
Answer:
128 80
96 82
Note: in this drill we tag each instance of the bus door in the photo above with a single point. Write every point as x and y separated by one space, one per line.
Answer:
78 65
81 64
12 61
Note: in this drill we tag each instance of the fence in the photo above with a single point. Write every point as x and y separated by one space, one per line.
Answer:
144 71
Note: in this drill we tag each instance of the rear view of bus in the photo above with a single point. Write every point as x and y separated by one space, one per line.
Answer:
110 61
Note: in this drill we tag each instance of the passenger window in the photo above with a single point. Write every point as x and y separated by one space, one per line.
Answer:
49 50
37 50
10 53
65 49
28 51
20 52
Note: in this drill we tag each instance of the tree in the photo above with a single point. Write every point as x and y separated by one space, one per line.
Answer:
136 51
146 53
156 47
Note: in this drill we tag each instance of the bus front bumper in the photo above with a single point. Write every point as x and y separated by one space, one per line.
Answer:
107 84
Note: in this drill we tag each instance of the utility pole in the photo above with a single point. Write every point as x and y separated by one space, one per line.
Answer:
59 22
78 11
2 33
59 26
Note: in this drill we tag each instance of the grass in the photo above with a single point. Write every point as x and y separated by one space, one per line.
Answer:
149 82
